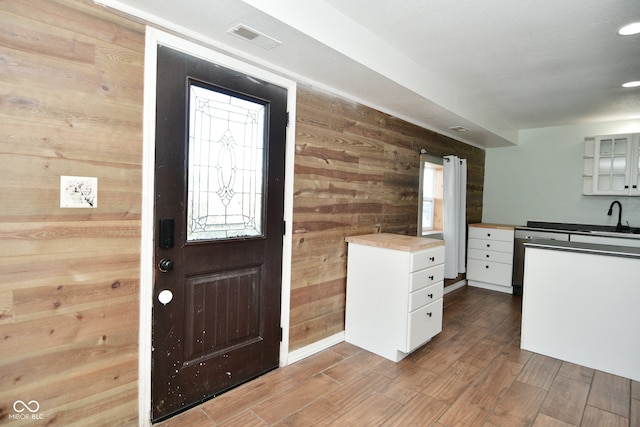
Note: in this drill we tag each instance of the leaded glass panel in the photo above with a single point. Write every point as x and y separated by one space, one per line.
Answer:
226 158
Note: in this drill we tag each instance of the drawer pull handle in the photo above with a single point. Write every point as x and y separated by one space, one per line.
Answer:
488 245
430 295
432 258
429 314
487 255
430 277
488 234
486 266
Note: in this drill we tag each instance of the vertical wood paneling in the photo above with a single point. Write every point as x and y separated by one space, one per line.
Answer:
70 104
357 171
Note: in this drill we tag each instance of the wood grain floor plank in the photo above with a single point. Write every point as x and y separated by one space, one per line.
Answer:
349 395
353 367
518 407
372 411
610 393
576 372
408 384
596 417
244 419
238 400
543 420
286 403
566 400
540 371
420 411
449 385
479 400
634 415
319 413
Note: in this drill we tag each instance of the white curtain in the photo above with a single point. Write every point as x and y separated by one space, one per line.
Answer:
455 217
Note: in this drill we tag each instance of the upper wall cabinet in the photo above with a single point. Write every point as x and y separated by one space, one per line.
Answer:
612 165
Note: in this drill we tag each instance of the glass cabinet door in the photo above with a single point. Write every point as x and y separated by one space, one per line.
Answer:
613 165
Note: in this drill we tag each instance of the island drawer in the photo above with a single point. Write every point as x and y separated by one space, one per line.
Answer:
425 296
426 258
426 277
423 324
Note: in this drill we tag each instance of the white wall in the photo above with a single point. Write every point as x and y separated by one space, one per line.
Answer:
541 179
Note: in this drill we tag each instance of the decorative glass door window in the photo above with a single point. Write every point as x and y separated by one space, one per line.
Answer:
226 165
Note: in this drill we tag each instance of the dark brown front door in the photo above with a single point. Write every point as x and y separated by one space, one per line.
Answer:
219 200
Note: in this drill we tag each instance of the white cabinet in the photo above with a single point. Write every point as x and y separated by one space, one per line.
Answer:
394 293
583 308
490 257
612 165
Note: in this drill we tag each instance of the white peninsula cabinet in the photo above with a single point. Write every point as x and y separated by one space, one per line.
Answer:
394 293
580 304
490 257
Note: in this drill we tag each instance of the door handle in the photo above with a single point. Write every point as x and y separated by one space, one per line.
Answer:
165 265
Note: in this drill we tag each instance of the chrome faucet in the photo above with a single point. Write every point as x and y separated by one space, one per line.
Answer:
619 225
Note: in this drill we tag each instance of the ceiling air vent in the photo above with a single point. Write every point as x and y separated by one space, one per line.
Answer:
253 36
458 129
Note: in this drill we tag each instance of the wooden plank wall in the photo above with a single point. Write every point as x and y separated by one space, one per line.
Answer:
71 104
356 172
71 90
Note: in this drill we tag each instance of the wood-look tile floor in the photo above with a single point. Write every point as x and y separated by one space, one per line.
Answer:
472 374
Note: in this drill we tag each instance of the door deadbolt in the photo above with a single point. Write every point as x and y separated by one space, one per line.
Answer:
165 265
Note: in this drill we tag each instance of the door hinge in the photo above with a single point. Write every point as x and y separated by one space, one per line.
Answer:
284 228
281 333
287 119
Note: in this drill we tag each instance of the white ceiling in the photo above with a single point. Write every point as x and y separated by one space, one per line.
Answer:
491 66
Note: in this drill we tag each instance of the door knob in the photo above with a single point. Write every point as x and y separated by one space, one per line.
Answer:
165 265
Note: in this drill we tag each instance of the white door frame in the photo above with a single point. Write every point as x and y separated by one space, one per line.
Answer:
154 38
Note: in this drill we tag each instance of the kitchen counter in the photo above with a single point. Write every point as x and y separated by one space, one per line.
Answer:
591 248
584 229
494 226
580 304
395 241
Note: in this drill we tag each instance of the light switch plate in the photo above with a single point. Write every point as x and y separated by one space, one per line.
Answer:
78 192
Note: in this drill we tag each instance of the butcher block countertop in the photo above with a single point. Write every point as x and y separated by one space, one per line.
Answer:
395 241
494 226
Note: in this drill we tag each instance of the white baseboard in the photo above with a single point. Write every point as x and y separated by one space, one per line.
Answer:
316 347
492 287
455 286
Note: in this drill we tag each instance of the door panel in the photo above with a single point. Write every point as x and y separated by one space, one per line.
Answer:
219 201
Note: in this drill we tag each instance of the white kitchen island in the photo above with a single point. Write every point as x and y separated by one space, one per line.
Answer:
581 304
394 293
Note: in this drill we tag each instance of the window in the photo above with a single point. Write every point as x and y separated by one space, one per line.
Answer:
428 196
430 205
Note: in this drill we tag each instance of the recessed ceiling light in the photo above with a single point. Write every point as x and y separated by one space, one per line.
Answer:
630 29
631 84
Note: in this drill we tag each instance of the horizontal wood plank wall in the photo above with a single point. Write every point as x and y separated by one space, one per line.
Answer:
356 172
71 91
